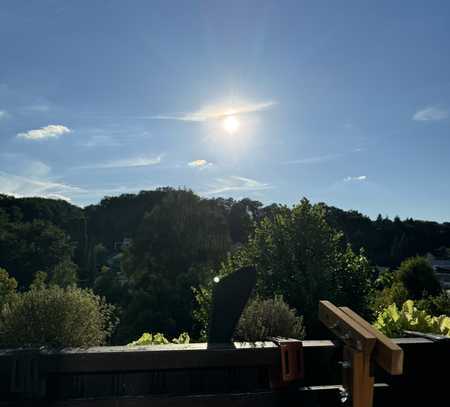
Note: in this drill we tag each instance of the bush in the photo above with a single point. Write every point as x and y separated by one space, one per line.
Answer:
263 319
8 286
415 279
392 321
159 339
418 278
396 294
55 317
439 305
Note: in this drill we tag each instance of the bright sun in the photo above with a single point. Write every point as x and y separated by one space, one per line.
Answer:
231 124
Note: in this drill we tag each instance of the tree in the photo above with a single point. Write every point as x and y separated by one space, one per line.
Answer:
177 241
64 274
418 277
113 285
39 281
28 247
299 256
55 317
8 286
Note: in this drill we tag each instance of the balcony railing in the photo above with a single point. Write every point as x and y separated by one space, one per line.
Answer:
197 375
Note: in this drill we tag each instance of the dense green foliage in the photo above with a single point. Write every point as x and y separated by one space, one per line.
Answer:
55 316
435 305
177 242
8 286
393 321
418 278
28 247
411 298
388 242
154 255
299 256
263 319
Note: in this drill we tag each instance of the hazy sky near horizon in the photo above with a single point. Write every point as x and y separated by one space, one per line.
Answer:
342 102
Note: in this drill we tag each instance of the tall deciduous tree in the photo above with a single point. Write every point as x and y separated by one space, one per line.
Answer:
176 242
28 247
299 256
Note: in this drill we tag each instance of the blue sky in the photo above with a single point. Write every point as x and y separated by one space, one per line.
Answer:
343 102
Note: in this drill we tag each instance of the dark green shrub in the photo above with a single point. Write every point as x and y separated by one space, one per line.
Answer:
395 294
438 305
418 278
8 286
263 319
56 317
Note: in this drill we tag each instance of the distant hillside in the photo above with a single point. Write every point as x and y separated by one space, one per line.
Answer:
387 242
97 231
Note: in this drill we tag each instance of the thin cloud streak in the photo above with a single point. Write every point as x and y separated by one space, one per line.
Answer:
315 159
322 158
140 161
214 112
100 140
235 183
431 113
20 186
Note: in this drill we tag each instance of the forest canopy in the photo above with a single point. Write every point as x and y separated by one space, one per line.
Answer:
153 255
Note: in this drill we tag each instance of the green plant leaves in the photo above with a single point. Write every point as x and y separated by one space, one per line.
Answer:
159 339
392 321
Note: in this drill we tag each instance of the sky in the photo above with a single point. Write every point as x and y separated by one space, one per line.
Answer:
346 103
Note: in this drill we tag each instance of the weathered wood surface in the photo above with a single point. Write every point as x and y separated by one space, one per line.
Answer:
386 352
346 328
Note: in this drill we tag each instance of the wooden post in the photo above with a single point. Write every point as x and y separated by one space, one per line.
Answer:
363 344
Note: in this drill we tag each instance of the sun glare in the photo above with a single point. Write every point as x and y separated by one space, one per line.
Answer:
231 124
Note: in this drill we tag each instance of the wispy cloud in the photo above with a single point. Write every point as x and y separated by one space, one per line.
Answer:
431 113
100 140
235 183
35 169
357 178
38 107
200 164
50 131
212 112
21 186
315 159
3 114
139 161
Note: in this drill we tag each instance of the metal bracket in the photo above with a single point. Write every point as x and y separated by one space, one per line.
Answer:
291 354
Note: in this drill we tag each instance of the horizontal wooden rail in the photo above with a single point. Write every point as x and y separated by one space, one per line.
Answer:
194 375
